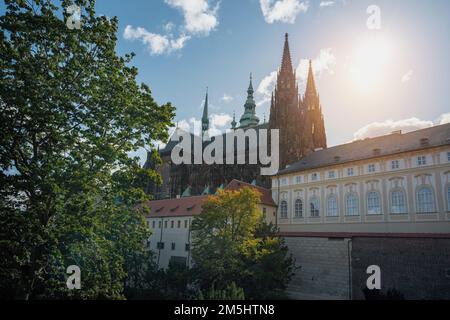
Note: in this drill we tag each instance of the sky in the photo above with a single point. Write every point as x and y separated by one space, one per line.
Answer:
378 69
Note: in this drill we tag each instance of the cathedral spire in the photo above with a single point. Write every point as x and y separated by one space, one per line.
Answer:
310 85
249 117
234 123
286 62
205 118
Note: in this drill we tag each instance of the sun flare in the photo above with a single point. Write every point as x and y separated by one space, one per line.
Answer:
370 63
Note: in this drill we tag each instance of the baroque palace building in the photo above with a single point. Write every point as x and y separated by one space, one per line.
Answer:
382 201
298 118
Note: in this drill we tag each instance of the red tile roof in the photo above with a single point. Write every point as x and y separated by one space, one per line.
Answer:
266 194
191 206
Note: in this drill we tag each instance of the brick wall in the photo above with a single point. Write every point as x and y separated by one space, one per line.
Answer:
324 272
418 268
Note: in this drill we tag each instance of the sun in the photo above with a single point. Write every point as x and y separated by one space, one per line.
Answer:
369 65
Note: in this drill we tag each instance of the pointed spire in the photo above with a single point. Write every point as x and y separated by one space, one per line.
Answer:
286 62
310 85
234 123
205 118
250 90
249 117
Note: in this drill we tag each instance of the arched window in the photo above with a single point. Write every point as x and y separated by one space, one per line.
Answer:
425 200
298 208
314 207
448 198
283 209
373 203
352 204
332 208
398 201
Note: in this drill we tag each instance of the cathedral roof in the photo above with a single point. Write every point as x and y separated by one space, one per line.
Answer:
374 147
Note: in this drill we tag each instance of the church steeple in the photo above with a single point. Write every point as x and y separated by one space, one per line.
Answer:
310 84
205 118
286 62
233 123
249 117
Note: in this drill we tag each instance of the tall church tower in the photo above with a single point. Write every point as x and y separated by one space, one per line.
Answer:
205 119
300 122
284 109
314 136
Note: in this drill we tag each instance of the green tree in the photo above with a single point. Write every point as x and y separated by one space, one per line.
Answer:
232 243
71 111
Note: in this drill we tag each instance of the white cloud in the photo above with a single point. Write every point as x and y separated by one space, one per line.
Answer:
198 16
156 43
377 129
226 98
220 120
199 19
282 10
443 119
407 76
327 4
265 88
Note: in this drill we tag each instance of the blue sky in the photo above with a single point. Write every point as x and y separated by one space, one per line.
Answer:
370 82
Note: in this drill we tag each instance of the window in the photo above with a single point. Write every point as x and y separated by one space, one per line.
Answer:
448 156
179 224
332 208
398 203
421 160
314 207
160 245
159 224
283 181
298 179
371 168
283 209
185 224
395 165
314 176
373 203
352 204
425 201
331 175
173 246
154 224
349 172
187 247
148 224
448 198
298 208
171 224
165 224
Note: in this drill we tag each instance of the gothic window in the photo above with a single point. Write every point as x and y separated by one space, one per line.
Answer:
373 203
314 207
283 209
398 201
352 204
298 208
332 208
425 200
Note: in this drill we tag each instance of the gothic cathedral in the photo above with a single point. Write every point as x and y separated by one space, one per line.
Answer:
302 131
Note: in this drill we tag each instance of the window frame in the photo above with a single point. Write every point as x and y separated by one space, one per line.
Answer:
283 209
391 202
298 208
422 208
314 212
355 205
378 198
336 207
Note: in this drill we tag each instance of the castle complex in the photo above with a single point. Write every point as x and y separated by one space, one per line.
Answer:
299 119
